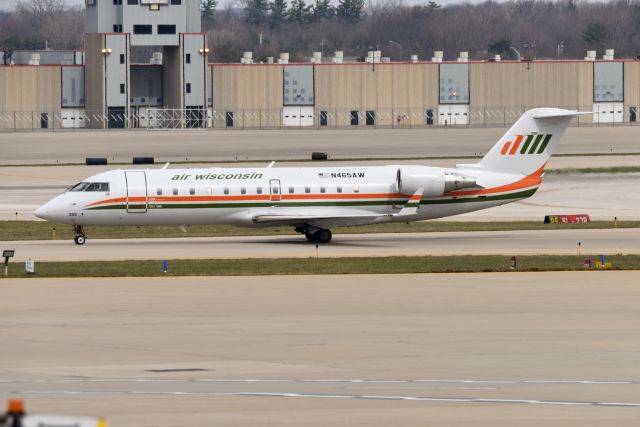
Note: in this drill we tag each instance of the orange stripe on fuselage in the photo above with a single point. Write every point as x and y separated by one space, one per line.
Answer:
528 181
344 196
267 197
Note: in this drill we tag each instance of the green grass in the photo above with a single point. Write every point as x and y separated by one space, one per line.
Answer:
611 169
313 266
40 230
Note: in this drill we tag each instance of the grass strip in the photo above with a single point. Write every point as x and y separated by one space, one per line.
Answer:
601 170
315 266
41 230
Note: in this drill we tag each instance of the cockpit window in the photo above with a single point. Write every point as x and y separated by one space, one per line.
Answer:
98 186
79 187
90 186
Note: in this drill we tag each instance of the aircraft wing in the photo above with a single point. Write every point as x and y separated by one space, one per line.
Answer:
325 218
321 218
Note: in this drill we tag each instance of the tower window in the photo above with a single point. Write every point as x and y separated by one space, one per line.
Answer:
188 87
188 58
142 29
166 29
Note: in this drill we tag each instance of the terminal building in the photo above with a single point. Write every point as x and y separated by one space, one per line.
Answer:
144 65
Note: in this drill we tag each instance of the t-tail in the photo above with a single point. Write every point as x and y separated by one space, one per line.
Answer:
529 143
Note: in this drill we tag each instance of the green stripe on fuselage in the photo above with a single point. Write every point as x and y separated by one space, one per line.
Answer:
153 206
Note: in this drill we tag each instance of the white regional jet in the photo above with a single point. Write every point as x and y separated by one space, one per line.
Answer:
315 199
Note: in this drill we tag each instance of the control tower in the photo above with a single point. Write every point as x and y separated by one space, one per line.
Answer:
172 79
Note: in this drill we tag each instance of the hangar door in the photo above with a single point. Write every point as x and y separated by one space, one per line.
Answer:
136 191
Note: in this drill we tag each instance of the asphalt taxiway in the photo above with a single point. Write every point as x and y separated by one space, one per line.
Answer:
486 349
210 145
552 241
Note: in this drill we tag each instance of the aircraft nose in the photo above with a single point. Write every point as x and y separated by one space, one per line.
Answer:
45 211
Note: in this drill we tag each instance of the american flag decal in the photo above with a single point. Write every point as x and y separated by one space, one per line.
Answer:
324 175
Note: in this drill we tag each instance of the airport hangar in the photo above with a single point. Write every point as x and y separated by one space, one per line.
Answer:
145 65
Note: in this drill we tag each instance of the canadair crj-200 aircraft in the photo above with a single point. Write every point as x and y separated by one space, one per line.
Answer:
315 199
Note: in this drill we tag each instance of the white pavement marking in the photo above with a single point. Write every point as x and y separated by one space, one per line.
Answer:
332 396
292 381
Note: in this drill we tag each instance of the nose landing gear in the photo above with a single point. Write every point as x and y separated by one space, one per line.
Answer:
80 237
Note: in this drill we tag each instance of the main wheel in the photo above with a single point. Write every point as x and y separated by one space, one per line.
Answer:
80 240
322 236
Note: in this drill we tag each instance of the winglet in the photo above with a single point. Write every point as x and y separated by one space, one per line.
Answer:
166 165
413 204
271 164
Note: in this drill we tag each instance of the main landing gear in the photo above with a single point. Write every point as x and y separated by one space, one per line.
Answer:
80 237
319 235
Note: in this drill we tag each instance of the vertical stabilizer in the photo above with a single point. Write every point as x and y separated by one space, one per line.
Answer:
528 144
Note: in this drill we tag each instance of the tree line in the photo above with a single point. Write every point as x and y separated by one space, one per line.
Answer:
525 28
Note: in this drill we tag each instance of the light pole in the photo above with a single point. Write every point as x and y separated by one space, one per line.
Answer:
560 49
529 57
397 44
373 57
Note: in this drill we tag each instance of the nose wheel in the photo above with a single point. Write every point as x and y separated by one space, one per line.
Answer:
80 237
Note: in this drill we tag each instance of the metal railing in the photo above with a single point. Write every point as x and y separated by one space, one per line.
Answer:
298 118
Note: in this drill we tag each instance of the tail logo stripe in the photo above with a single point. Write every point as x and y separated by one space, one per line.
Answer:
535 144
516 144
505 148
544 144
525 147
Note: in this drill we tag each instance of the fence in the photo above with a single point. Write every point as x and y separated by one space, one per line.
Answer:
299 117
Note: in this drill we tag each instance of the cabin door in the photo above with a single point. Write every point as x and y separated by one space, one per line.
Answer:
136 191
275 190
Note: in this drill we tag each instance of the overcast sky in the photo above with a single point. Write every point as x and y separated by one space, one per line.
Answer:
9 4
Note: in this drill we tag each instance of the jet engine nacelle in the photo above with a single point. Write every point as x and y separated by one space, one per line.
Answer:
435 182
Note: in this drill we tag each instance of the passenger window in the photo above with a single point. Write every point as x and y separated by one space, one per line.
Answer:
307 189
159 192
339 189
192 191
322 189
175 191
226 190
243 190
291 190
259 190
